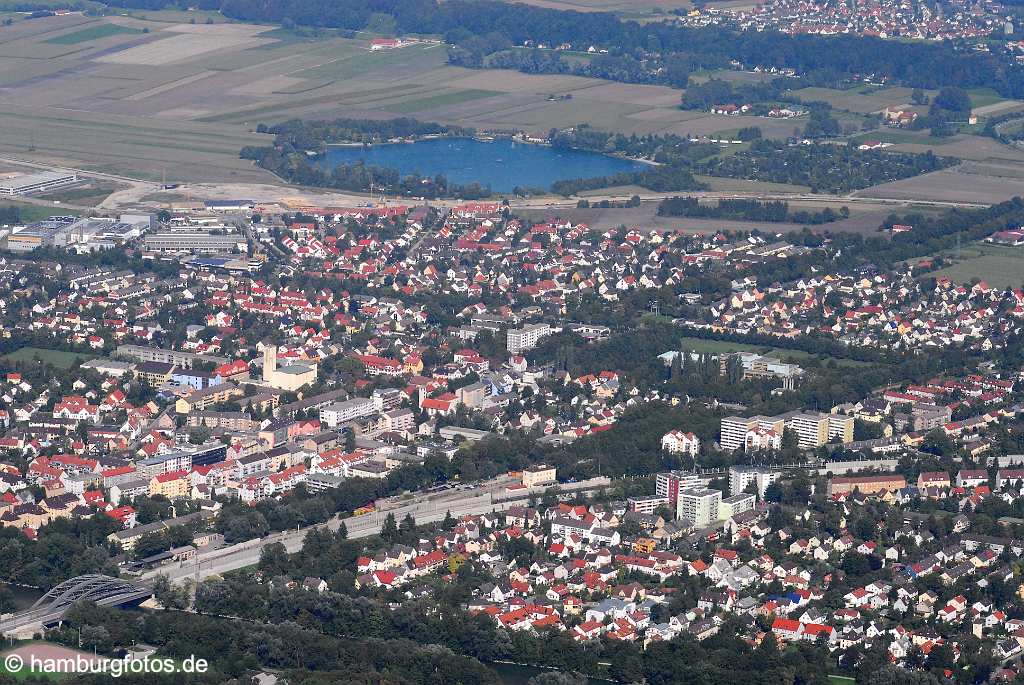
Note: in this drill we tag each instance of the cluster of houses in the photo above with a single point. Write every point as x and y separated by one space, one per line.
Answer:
871 309
594 582
884 19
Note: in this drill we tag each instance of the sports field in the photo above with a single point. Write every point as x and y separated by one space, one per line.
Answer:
57 358
701 346
44 654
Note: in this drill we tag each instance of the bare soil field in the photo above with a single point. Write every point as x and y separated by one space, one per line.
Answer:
185 46
62 659
950 185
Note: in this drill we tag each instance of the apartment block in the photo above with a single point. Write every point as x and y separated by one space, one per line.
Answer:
526 338
811 428
735 504
740 477
699 505
669 485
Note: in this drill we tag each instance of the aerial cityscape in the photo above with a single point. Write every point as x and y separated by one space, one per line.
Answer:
406 342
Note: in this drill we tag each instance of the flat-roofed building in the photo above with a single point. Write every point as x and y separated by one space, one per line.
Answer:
735 504
811 428
526 338
337 413
840 426
699 506
175 357
668 485
541 474
740 477
34 183
867 485
196 242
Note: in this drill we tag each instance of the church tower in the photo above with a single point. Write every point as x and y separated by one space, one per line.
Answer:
269 362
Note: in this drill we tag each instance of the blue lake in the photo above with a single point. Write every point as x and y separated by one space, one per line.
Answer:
501 164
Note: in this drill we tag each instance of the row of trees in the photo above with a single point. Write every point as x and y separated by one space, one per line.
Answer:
750 210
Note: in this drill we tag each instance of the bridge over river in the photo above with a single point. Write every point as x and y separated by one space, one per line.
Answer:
51 607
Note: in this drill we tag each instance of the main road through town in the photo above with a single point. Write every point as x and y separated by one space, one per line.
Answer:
423 509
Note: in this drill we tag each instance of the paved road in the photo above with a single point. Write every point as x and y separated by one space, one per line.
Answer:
248 553
132 195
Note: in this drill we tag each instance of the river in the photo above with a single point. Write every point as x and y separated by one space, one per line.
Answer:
24 597
514 674
502 164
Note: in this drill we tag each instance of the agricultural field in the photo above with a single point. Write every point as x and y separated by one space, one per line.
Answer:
861 100
94 32
999 266
633 9
966 183
174 95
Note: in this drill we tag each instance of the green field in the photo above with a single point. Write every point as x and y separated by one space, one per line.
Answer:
57 358
1000 267
31 213
997 271
981 97
701 345
92 33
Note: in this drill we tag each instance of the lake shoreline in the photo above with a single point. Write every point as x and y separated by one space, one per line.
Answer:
492 139
504 164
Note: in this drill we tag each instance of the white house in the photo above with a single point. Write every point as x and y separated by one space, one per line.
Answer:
678 442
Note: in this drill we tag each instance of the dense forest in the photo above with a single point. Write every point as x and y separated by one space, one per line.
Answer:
749 210
301 134
824 168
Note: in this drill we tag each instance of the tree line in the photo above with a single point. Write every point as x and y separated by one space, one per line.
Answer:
749 210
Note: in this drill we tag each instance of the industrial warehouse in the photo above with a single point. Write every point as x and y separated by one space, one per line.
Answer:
33 183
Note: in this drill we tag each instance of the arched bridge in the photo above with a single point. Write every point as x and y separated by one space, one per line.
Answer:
101 589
